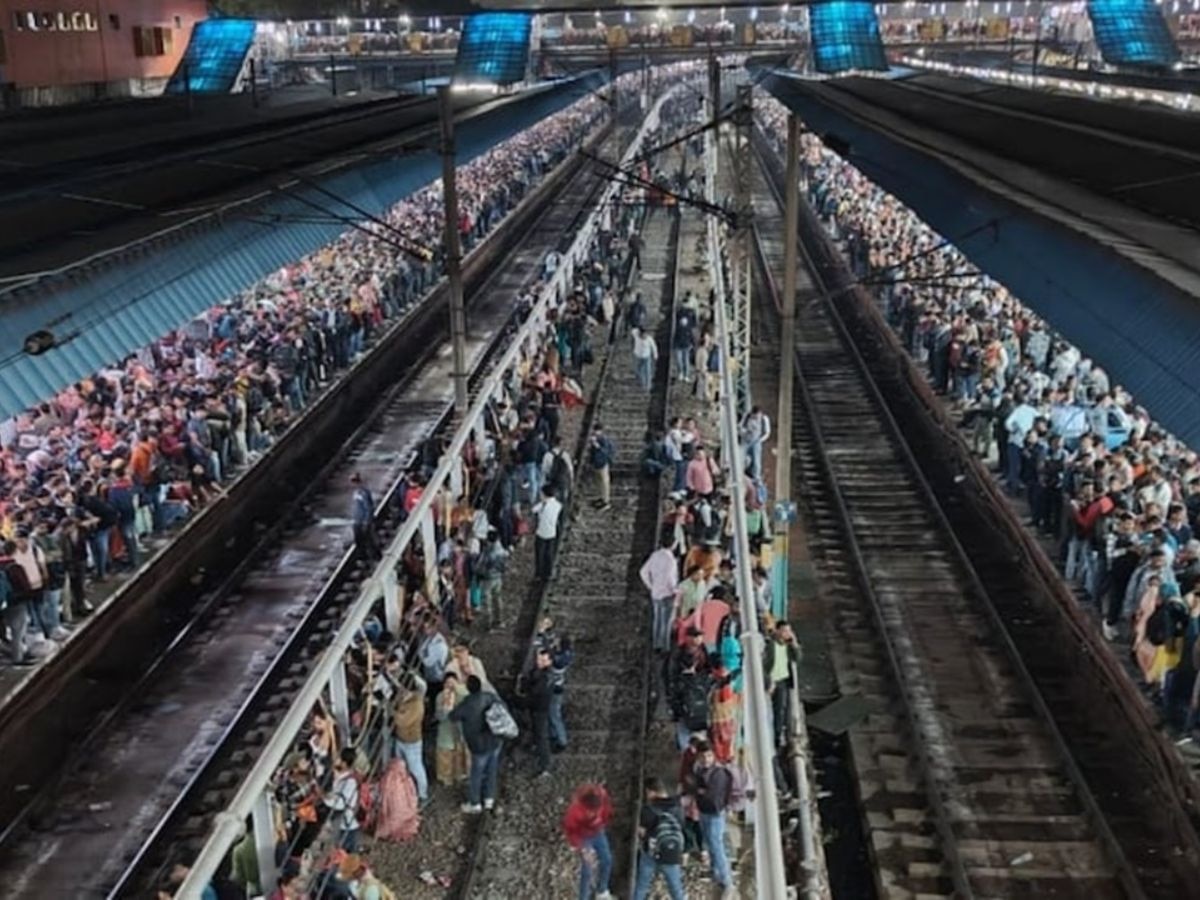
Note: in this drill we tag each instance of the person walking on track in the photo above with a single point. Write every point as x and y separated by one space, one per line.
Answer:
585 826
362 515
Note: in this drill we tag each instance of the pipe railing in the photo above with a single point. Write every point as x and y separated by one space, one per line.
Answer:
771 879
248 803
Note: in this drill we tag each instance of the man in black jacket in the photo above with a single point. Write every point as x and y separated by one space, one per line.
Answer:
539 691
14 598
471 713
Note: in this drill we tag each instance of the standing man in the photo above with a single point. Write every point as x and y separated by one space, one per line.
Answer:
782 653
660 575
645 356
585 826
1017 424
756 429
539 691
14 599
601 453
684 342
484 746
362 514
558 471
714 788
548 513
660 850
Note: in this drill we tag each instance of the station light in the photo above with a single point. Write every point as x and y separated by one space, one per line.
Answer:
691 16
661 15
628 17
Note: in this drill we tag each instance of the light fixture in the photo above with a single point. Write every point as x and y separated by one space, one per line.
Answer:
661 15
691 17
628 17
754 14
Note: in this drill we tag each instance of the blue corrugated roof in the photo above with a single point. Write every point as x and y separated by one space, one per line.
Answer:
1144 331
123 306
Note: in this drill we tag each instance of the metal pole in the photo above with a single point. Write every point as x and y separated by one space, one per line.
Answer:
332 74
770 878
187 87
787 350
714 87
263 822
458 321
613 100
740 297
253 83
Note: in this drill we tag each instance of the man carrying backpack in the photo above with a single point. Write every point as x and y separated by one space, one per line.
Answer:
558 471
483 744
689 699
660 831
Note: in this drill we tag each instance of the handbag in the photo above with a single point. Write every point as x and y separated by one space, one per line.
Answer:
500 721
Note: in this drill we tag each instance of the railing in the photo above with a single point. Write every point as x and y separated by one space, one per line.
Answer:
771 879
253 799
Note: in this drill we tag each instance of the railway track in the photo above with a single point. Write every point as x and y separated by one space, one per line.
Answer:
977 775
142 786
596 597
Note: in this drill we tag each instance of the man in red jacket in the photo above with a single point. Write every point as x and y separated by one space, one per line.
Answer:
585 825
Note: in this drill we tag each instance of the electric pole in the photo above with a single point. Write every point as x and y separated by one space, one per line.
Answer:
458 318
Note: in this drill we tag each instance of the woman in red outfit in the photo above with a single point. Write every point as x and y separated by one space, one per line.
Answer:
585 825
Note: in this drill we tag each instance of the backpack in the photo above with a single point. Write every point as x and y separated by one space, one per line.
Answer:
694 704
18 582
666 840
601 454
500 721
740 788
558 471
1158 626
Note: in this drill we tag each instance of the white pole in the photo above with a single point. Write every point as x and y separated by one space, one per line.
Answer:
771 880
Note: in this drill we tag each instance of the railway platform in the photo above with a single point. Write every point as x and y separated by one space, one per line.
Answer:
524 611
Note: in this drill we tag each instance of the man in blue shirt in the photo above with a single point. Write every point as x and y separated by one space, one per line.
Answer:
362 515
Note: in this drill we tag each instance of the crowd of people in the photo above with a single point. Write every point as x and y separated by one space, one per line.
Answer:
422 695
1117 495
89 475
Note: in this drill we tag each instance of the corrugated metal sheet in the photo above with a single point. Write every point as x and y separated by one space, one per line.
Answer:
1142 330
118 308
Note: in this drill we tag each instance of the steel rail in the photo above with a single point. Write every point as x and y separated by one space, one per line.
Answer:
826 295
229 825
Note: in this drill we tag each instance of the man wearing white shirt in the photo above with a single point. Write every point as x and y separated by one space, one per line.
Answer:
660 574
546 535
645 355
